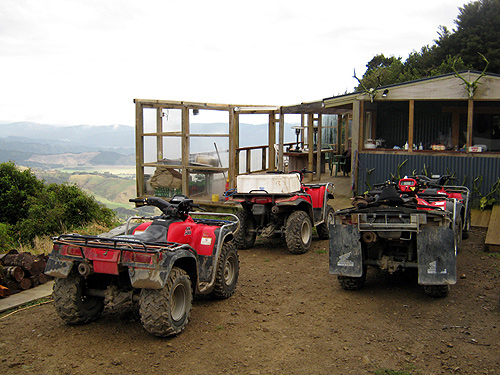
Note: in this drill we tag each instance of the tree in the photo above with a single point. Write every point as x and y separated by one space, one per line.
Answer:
478 31
61 207
16 187
30 208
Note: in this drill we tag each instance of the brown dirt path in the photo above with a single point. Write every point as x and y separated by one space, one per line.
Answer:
288 316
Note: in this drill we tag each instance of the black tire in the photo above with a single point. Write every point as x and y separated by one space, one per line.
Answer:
228 269
352 283
72 303
466 230
165 312
323 229
246 234
298 232
437 291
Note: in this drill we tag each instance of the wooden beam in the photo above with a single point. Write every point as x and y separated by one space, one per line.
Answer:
361 128
411 122
272 141
281 137
185 151
357 115
339 133
248 161
318 147
234 136
310 143
159 138
163 134
470 117
139 150
209 135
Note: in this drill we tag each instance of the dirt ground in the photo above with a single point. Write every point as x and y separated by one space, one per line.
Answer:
288 316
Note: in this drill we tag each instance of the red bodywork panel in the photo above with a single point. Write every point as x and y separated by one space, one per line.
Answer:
141 228
103 260
199 236
317 195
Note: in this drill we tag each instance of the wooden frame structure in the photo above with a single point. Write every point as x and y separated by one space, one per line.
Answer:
233 112
311 121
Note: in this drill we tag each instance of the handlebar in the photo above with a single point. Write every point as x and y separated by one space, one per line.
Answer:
179 205
436 181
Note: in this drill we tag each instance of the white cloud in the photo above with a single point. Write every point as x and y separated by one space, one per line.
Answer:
84 61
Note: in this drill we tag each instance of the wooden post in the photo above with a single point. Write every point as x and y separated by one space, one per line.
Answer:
185 150
272 142
159 138
470 118
310 143
234 131
318 148
339 134
411 120
139 150
357 115
281 138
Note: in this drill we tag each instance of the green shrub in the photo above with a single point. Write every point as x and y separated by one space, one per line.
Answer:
6 240
31 209
58 208
16 187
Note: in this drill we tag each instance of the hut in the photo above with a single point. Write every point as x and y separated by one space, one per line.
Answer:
448 124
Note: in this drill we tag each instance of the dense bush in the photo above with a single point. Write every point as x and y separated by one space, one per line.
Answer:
16 187
477 34
34 209
58 208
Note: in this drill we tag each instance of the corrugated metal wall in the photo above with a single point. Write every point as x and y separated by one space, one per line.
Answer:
465 167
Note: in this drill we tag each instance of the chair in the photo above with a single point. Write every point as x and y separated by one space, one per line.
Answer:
338 161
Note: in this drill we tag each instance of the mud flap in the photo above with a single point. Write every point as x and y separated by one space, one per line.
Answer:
346 257
437 261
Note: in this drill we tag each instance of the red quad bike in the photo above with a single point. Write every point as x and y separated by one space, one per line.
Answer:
394 228
160 266
435 189
278 204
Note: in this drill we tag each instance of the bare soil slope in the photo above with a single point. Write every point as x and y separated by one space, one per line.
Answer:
288 316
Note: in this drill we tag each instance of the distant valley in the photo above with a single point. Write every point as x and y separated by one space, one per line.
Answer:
99 159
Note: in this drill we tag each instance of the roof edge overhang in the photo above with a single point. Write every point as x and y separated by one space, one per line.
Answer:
360 95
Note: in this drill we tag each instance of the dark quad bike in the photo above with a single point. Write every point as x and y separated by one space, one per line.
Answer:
393 228
278 204
159 267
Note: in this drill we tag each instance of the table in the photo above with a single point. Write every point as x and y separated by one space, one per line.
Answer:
299 160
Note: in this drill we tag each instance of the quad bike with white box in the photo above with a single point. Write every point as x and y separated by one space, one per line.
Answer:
278 204
159 266
393 228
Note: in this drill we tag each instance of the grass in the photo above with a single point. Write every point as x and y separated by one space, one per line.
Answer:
43 244
28 305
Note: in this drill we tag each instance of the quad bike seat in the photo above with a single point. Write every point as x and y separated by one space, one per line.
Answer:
431 193
156 232
389 196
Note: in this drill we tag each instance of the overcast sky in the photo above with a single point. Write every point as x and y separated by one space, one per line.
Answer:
74 62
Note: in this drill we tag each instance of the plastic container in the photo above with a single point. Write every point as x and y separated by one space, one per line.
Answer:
270 183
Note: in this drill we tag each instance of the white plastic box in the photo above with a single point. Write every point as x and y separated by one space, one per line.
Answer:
270 183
